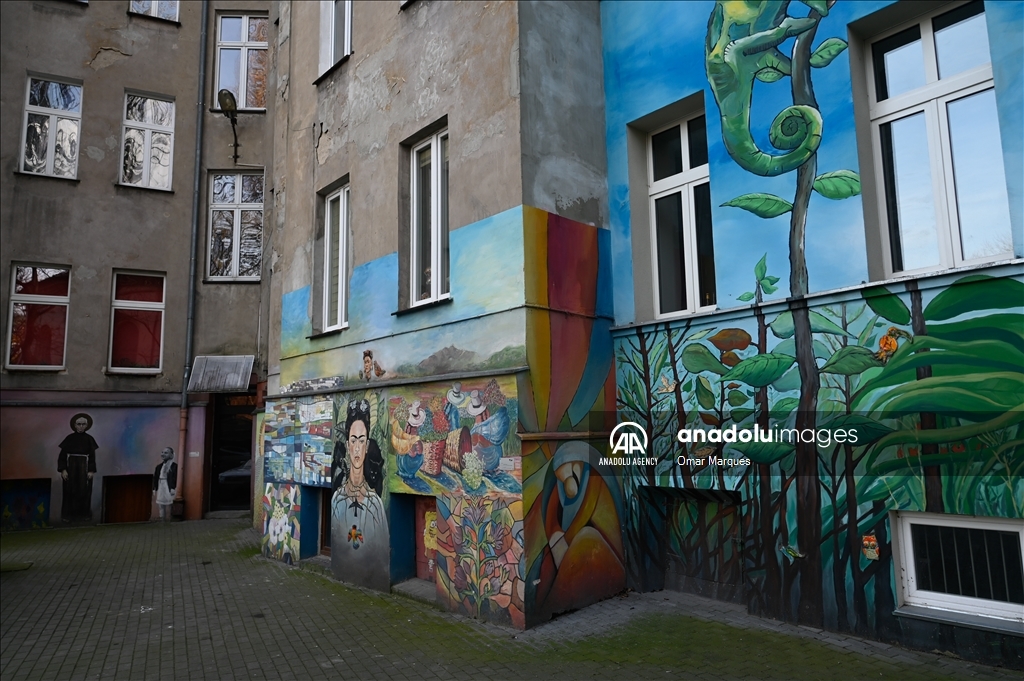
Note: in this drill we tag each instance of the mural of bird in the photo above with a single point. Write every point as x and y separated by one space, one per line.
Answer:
666 386
790 551
377 370
889 343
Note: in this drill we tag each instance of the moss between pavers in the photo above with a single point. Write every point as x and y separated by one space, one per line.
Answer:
651 645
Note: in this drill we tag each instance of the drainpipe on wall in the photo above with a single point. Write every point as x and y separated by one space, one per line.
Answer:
190 323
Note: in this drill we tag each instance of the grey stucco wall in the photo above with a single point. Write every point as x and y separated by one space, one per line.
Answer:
409 69
562 95
95 225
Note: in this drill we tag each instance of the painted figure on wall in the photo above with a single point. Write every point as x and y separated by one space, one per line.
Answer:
77 466
371 368
361 548
165 483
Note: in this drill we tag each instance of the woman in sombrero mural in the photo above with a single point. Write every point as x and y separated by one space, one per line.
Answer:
77 466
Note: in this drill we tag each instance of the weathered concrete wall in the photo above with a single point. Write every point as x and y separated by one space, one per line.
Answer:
230 315
562 85
409 69
92 223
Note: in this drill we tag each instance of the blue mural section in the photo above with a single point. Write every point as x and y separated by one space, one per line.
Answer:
651 50
486 279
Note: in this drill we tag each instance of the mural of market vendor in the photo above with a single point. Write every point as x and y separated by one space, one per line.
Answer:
359 527
77 466
447 440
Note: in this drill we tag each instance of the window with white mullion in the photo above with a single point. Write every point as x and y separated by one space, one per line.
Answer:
680 207
242 44
161 9
147 142
336 230
51 127
236 226
341 44
943 203
430 278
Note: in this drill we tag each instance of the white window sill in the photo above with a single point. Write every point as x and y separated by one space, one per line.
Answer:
21 367
231 280
47 175
328 332
139 186
994 624
132 372
424 304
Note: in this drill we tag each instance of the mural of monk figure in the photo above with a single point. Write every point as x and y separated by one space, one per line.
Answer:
77 466
165 483
360 547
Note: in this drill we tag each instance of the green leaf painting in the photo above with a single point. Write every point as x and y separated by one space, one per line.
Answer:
838 185
851 360
760 370
984 293
761 268
762 452
783 327
736 398
705 395
697 358
761 205
886 305
826 52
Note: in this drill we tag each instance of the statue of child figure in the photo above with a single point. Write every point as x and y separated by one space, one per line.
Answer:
165 483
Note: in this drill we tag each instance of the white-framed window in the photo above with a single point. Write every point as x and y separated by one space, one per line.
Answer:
683 257
137 323
962 563
335 32
147 141
161 9
236 226
53 120
337 221
38 320
937 151
242 58
429 276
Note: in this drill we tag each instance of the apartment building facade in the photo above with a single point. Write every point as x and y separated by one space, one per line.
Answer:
132 245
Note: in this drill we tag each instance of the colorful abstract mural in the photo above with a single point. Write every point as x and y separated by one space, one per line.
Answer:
455 436
573 552
480 559
281 529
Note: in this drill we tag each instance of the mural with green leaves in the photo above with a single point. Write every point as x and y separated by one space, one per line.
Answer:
888 364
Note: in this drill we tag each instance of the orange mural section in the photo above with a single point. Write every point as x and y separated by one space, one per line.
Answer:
573 550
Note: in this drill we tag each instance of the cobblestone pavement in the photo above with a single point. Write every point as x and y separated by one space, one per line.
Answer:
195 600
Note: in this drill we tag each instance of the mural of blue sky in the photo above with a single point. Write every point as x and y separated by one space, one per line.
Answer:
654 56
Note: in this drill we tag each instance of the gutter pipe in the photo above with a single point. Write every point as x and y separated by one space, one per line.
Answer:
190 324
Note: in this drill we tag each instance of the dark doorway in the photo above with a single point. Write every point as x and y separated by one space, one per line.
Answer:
700 548
231 455
325 521
127 498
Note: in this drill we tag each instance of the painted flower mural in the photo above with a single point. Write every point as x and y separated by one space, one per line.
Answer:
281 522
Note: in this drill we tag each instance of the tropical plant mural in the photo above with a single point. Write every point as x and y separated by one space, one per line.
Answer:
929 376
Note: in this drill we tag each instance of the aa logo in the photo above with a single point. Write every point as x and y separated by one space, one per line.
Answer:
626 439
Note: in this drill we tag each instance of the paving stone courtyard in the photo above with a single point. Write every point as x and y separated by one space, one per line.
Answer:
197 601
